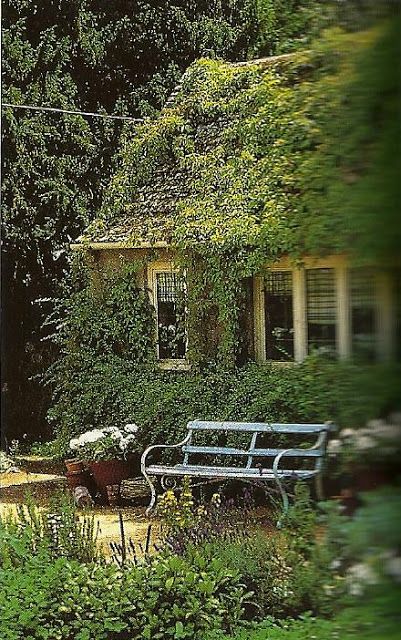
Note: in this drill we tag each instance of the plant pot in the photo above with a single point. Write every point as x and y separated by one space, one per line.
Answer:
74 466
77 479
109 472
113 494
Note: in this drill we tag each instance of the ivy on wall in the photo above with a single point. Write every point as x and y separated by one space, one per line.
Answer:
255 162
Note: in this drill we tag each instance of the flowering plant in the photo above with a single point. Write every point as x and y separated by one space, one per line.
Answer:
378 443
109 443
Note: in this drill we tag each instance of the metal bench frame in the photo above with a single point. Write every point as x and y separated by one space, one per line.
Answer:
248 472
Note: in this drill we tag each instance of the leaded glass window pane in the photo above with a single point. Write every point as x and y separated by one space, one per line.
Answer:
363 314
321 308
279 316
170 316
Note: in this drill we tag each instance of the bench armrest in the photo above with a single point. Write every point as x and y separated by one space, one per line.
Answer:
161 446
319 444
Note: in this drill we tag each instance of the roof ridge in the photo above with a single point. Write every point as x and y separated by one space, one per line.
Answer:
262 62
267 60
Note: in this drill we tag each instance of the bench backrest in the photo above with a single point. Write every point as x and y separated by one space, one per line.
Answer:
256 429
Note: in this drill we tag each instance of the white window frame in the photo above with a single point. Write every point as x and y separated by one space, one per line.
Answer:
384 309
170 364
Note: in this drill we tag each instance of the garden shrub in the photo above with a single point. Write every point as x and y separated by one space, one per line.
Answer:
290 570
373 619
55 530
166 597
109 391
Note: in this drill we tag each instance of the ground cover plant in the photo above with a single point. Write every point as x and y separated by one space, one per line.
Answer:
289 571
306 578
368 549
54 531
54 584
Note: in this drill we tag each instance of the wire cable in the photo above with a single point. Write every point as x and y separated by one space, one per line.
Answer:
75 113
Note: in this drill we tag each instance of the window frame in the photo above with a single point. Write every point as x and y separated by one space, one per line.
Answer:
168 364
383 305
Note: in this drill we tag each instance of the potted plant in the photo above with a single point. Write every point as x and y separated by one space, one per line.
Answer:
109 453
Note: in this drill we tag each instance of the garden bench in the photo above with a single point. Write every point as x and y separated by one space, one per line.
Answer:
254 463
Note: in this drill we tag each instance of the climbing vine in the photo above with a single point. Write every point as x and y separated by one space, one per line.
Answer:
248 163
254 161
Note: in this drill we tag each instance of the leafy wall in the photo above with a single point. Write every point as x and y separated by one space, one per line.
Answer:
257 161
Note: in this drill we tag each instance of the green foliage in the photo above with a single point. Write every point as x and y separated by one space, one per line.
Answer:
257 162
114 57
168 597
97 390
179 513
373 619
268 180
115 318
47 533
376 527
290 571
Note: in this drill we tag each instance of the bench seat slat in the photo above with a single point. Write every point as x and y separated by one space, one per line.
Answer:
262 427
227 472
232 451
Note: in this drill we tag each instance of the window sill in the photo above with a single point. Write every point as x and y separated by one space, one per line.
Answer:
174 365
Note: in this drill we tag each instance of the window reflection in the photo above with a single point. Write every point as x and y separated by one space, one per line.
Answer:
170 316
321 310
363 314
279 316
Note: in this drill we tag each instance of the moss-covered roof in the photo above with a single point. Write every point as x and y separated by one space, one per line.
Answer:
259 155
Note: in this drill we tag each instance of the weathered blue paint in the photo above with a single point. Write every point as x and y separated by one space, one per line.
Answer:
270 471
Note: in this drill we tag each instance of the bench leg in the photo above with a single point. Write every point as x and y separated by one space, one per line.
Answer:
319 487
152 491
284 498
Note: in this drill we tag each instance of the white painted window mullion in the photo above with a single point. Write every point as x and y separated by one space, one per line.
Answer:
343 333
299 314
259 318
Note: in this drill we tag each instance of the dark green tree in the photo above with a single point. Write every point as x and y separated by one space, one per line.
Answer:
121 57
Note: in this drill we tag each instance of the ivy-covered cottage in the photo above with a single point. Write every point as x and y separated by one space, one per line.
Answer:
239 207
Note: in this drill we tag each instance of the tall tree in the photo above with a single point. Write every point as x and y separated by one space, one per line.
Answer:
109 56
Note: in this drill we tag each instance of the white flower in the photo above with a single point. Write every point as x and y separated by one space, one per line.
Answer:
116 435
91 436
334 447
359 576
131 428
363 443
347 433
74 444
375 424
393 568
112 430
389 432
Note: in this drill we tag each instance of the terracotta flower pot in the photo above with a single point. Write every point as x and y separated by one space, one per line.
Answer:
109 472
76 479
74 466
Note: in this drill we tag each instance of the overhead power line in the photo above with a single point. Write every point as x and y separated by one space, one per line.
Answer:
74 113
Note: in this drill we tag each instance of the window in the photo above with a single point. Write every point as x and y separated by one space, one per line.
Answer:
325 307
363 314
168 296
279 316
321 310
